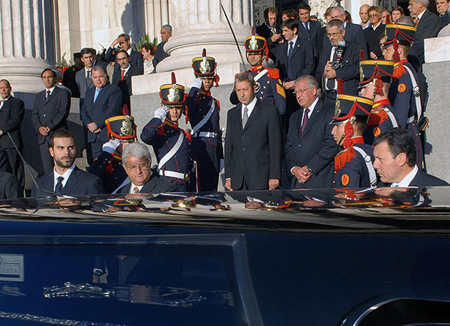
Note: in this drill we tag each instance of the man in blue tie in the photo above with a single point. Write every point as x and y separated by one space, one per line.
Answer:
102 102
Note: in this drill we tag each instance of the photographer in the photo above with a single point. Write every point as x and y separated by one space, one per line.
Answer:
340 60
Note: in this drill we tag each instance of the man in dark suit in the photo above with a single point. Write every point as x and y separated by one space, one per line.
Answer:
160 55
102 102
309 29
11 116
353 32
310 147
270 31
124 42
50 112
253 145
9 186
395 161
83 77
339 60
136 160
295 58
66 178
122 77
442 7
428 26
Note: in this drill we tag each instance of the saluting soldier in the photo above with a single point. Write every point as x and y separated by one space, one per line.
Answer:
108 166
170 143
376 79
353 164
203 110
268 84
404 93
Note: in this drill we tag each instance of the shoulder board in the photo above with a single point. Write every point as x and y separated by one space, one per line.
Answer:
273 73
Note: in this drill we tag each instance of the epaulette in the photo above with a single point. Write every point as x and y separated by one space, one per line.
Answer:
273 73
343 157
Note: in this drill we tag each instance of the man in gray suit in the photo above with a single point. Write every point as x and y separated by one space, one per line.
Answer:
83 77
50 112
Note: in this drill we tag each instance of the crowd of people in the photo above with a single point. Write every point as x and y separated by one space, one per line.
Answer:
341 105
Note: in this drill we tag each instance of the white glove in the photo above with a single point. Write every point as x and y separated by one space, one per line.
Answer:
161 113
111 146
197 83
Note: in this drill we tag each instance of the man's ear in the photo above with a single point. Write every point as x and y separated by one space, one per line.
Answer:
52 154
402 159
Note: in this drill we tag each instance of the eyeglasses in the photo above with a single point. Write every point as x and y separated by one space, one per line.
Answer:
301 91
333 34
142 166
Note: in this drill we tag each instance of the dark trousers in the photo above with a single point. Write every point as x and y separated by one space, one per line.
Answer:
95 151
329 98
16 164
46 158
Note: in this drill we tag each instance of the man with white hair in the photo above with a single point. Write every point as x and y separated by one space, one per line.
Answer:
136 160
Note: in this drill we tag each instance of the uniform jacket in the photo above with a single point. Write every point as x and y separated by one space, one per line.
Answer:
301 62
253 153
163 136
108 104
80 183
354 174
270 89
11 117
349 72
315 147
52 113
108 167
382 118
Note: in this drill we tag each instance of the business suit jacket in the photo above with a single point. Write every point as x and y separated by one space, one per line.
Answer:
52 113
83 84
11 117
429 26
160 55
353 33
311 35
349 73
373 39
79 183
125 84
154 185
253 153
135 59
301 63
422 179
108 104
315 147
264 31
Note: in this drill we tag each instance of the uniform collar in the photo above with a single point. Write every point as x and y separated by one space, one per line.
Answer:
257 68
382 102
171 124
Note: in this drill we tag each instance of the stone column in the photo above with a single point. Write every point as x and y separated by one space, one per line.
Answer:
199 24
157 15
26 42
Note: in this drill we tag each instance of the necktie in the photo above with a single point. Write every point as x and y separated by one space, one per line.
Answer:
48 96
291 48
305 120
306 26
122 74
245 117
331 83
88 75
97 91
59 187
135 190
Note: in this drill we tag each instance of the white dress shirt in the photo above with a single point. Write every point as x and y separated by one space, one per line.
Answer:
407 180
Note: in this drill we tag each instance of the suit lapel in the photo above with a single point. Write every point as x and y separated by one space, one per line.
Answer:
100 96
70 184
53 95
312 119
253 117
296 46
239 117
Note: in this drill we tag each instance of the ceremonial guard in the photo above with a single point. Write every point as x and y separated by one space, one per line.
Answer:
376 79
404 93
268 84
353 164
108 166
203 112
170 143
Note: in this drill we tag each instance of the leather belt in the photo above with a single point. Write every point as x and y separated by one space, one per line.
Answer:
205 134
